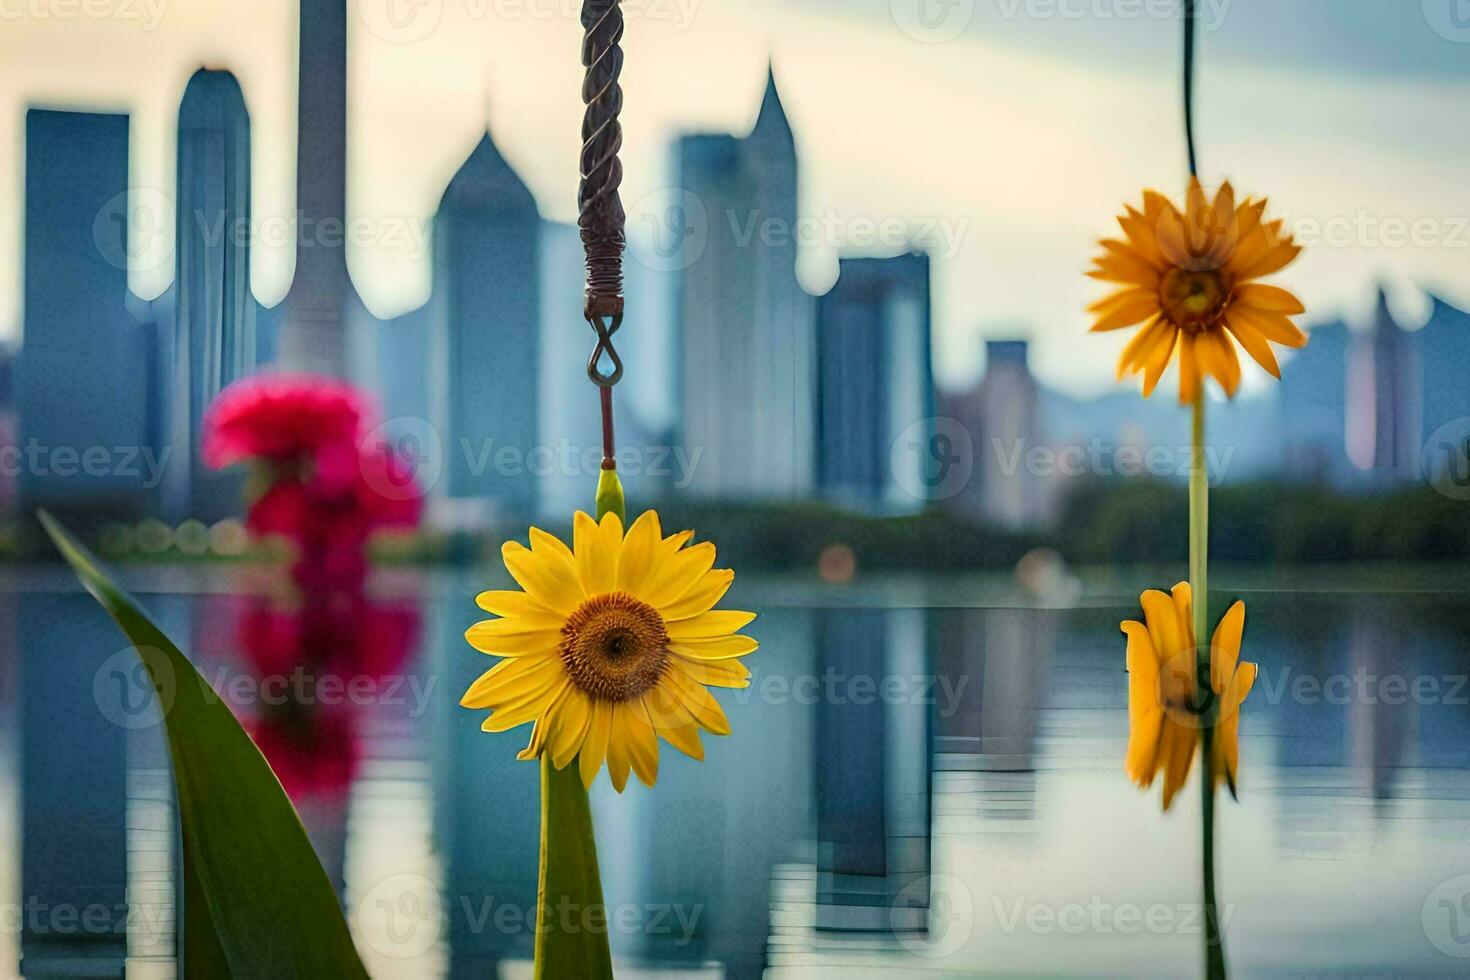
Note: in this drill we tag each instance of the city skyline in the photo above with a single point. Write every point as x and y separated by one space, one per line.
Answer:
1056 87
877 317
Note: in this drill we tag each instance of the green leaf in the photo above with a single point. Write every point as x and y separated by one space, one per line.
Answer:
257 902
571 919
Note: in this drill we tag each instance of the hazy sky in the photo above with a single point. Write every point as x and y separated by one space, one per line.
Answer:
1006 132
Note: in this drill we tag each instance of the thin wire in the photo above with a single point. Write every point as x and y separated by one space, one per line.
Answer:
1189 20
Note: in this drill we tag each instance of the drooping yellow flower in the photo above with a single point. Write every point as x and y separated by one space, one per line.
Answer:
1162 723
610 646
1188 278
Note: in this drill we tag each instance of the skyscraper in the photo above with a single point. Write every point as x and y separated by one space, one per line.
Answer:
321 301
1002 416
875 384
746 325
85 365
9 434
1444 347
485 321
1397 397
1314 407
214 310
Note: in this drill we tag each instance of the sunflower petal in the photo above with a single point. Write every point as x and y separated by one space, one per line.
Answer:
1225 646
1145 710
1275 259
1177 748
573 718
1255 345
514 605
1154 332
720 622
597 562
1218 358
542 576
677 575
619 760
701 597
636 560
1275 327
511 680
715 648
1188 369
525 709
716 673
594 746
1158 361
511 637
642 743
1272 299
685 739
701 704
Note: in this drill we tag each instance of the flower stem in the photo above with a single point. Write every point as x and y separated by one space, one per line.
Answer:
569 890
569 893
1199 550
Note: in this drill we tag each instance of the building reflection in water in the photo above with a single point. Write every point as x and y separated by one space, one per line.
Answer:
697 851
1384 659
803 842
487 822
872 773
81 861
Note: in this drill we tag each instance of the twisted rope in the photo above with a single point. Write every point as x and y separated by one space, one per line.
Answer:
601 218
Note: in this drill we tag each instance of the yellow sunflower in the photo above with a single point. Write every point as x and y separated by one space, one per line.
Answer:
1188 278
611 645
1162 723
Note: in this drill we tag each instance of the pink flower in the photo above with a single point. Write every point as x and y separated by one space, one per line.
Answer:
281 418
386 489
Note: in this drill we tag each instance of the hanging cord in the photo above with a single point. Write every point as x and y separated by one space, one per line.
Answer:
1208 706
600 209
1189 21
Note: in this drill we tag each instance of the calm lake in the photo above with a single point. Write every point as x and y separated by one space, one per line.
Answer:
925 776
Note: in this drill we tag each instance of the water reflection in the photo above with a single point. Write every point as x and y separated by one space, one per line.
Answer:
917 768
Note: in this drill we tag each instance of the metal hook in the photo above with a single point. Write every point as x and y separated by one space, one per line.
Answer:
605 327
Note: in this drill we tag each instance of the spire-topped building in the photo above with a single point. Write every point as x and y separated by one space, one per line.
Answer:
747 326
214 310
1396 396
314 335
484 328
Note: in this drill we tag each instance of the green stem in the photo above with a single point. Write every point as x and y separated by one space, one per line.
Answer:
571 918
1199 550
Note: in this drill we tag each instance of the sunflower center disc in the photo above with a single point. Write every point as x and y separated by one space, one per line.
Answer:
615 646
1193 300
